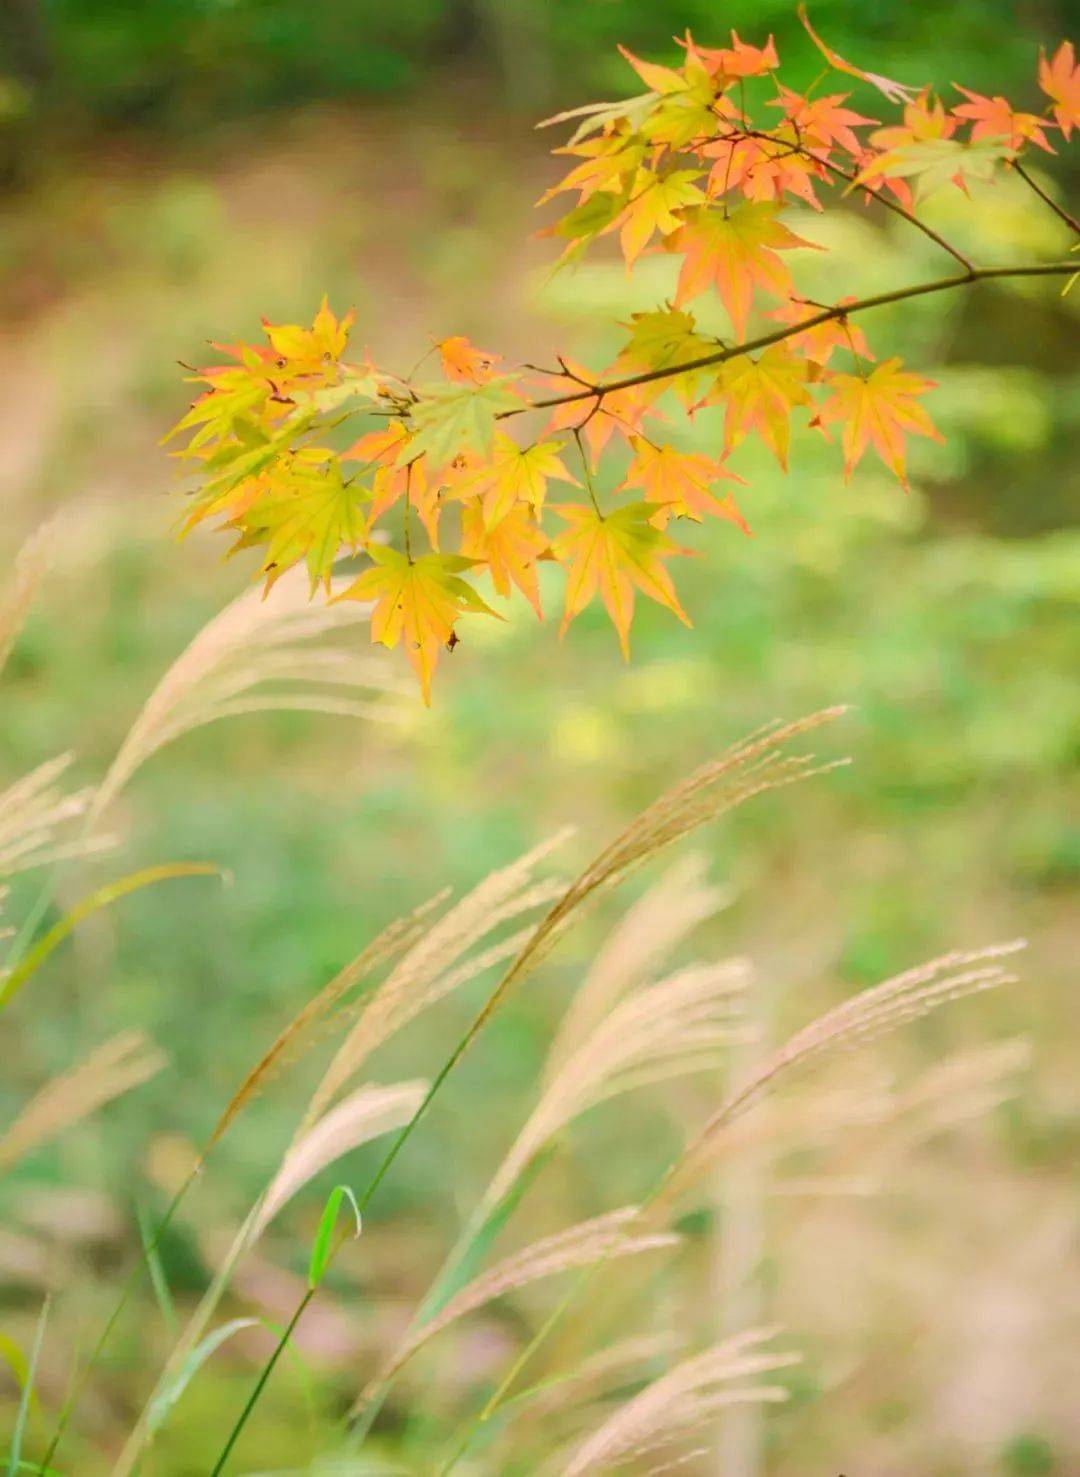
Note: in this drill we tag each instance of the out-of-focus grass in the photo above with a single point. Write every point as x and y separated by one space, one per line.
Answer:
942 616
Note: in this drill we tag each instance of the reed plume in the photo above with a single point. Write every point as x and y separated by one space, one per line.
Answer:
258 655
581 1245
114 1068
30 565
36 820
439 962
681 1402
870 1013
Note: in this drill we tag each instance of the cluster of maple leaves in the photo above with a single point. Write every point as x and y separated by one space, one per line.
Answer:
449 484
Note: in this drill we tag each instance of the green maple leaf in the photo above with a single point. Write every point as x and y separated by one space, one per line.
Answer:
450 419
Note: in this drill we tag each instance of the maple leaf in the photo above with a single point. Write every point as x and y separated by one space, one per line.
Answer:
760 395
607 162
993 118
511 475
737 60
878 410
936 162
662 340
309 350
463 363
1059 78
418 601
684 108
615 554
653 200
596 216
312 514
380 448
680 483
450 419
764 168
817 343
736 252
619 411
823 121
509 548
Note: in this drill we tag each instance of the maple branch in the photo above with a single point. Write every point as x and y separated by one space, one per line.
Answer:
827 315
1061 213
895 206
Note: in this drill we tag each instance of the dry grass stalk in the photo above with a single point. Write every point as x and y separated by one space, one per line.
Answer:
682 1401
753 766
35 815
259 654
399 935
642 939
30 565
681 1024
869 1014
114 1068
437 963
362 1116
605 1236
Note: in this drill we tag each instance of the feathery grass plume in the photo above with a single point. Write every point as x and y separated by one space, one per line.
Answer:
439 962
36 816
259 655
605 1236
114 1068
402 934
31 563
642 938
870 1013
678 1404
363 1115
678 1025
748 768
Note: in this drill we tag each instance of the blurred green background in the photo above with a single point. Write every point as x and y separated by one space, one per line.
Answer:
172 171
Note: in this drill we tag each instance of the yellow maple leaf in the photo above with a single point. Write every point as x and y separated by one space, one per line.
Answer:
509 548
681 483
307 512
511 475
760 395
654 198
417 601
615 554
878 410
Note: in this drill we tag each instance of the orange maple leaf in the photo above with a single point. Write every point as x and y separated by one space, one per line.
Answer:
737 60
621 411
822 122
1059 78
418 601
994 117
763 168
615 554
509 548
734 252
817 343
463 363
680 483
878 410
760 395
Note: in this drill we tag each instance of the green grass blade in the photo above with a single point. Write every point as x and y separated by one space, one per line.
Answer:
322 1251
168 1397
15 1455
102 898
